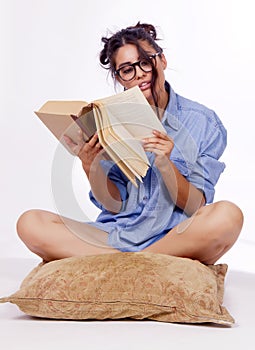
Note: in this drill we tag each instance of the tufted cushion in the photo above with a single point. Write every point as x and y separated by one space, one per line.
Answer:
134 285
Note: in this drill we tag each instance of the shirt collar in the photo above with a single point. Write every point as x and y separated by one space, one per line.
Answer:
170 116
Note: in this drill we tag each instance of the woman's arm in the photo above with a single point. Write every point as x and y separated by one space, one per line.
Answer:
185 195
103 189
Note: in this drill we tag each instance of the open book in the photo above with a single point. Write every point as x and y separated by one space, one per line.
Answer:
121 121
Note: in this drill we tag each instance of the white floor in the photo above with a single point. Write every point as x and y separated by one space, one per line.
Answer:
18 331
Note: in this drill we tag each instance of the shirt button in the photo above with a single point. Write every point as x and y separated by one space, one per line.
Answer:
145 198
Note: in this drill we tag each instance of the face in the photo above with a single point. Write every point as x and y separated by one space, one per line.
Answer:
128 54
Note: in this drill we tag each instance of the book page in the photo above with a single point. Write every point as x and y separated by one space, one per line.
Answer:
120 133
129 150
132 110
123 167
128 156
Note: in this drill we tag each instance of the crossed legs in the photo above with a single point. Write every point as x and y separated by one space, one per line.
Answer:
205 236
53 237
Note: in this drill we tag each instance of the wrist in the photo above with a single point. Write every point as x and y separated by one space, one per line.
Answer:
163 163
87 169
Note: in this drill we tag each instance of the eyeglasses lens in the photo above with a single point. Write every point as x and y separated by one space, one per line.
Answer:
128 72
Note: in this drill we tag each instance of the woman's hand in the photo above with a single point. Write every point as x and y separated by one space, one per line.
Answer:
86 151
161 145
90 153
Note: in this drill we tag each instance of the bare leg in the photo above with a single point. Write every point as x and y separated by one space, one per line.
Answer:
53 237
206 236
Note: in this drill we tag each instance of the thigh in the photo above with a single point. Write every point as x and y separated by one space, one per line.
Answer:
188 238
207 234
38 226
85 231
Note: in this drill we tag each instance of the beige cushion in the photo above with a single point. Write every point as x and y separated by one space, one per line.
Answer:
134 285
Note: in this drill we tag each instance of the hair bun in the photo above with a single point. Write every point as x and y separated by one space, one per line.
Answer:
148 28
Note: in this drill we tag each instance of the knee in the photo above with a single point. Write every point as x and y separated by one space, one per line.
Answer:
230 215
27 223
227 220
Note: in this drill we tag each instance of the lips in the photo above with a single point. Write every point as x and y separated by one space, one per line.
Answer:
145 85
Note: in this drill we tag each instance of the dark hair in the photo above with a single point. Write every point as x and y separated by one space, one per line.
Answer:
130 35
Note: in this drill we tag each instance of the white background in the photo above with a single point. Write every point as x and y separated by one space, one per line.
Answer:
50 49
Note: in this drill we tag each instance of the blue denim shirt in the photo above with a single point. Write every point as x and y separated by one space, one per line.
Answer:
148 212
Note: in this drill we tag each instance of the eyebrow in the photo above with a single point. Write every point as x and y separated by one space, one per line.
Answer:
128 63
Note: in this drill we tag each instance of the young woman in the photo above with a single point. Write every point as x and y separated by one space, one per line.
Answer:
171 212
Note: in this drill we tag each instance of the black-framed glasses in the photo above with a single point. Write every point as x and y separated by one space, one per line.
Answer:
128 72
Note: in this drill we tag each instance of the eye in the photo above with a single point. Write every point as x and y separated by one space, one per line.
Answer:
127 70
145 64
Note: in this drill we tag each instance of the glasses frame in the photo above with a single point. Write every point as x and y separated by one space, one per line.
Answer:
133 65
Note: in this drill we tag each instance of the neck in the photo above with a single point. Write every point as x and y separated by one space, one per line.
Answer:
162 103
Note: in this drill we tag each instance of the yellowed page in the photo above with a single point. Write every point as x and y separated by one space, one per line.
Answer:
123 147
139 167
123 167
131 109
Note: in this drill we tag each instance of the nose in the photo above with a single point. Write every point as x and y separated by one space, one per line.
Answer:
139 72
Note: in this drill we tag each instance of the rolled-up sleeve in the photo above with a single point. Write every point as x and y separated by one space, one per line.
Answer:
208 168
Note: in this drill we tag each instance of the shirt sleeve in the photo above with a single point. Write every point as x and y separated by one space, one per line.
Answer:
208 168
115 175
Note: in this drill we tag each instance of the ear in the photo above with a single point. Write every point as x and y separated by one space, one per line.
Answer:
163 61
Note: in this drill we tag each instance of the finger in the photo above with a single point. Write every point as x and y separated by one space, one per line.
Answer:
150 139
155 147
153 150
161 134
98 146
155 141
93 140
